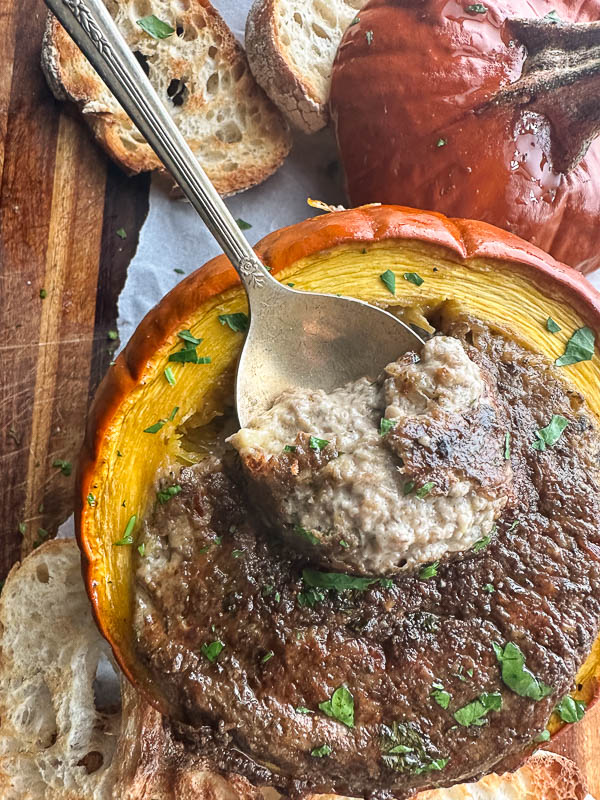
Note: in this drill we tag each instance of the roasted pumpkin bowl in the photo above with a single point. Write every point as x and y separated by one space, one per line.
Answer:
152 413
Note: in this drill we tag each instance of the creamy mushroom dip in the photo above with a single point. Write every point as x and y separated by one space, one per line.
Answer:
375 477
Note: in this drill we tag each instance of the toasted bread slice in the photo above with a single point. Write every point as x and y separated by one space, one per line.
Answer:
63 736
201 74
291 45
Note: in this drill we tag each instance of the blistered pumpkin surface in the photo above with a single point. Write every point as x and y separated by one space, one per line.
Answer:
124 481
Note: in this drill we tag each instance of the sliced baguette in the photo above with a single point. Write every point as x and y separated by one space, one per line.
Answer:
201 74
56 744
291 45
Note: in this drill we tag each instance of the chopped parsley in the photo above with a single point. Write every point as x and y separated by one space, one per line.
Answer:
430 571
369 37
91 500
389 280
489 587
113 335
514 525
310 598
164 495
306 534
507 446
570 710
317 444
158 29
344 544
580 347
243 225
335 580
127 537
413 277
303 710
267 657
212 650
474 713
441 142
186 336
403 749
408 487
178 271
121 232
549 435
188 354
43 294
425 489
340 706
476 8
170 377
516 675
237 553
552 326
386 425
237 322
156 427
64 466
142 549
320 752
440 695
544 736
290 448
481 544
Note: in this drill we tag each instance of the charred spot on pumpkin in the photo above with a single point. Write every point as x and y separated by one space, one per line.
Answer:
177 91
142 61
91 761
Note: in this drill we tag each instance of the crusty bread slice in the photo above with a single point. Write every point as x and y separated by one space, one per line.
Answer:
58 742
291 45
201 74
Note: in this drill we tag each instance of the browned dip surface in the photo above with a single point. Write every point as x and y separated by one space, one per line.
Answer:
210 574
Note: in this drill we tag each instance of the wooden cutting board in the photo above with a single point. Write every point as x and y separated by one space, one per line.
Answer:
62 266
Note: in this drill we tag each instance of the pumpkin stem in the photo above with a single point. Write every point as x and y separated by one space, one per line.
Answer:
561 80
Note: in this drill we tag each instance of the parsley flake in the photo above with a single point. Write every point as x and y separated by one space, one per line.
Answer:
408 487
158 29
243 225
122 233
43 294
474 713
552 326
267 657
516 675
386 425
186 336
340 706
64 466
549 435
303 710
290 448
430 571
306 534
164 495
170 377
476 8
91 500
237 322
335 580
580 347
212 650
142 549
322 751
570 710
317 444
489 588
413 277
156 427
544 736
441 696
425 490
389 280
507 446
127 537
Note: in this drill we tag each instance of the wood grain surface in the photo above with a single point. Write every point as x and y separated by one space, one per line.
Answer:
61 204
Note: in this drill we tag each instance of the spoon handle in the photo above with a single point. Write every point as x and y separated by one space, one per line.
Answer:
92 28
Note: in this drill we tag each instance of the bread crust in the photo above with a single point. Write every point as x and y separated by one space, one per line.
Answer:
71 77
287 89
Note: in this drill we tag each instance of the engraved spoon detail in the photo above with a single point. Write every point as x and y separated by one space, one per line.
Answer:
316 341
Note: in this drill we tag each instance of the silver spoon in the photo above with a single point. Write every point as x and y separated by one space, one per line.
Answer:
315 341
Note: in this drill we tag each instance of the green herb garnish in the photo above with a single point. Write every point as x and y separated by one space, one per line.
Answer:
186 336
408 487
580 347
516 675
412 277
570 710
64 466
156 427
474 713
91 500
142 549
169 376
127 537
164 495
306 534
178 271
290 448
237 322
340 707
43 294
113 335
551 433
317 444
441 142
310 598
243 225
489 588
158 30
425 489
389 280
303 710
404 750
386 425
121 232
481 544
344 544
476 8
544 736
212 650
429 571
335 580
320 752
267 657
552 326
440 695
507 446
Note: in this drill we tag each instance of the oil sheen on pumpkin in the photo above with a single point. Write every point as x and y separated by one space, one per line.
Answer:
326 470
429 135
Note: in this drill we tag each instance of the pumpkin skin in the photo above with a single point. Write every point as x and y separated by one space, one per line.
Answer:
410 101
489 272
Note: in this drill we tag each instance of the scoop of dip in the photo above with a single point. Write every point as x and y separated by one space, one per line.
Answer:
377 477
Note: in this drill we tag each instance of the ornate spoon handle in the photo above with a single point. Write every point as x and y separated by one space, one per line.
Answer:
92 28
